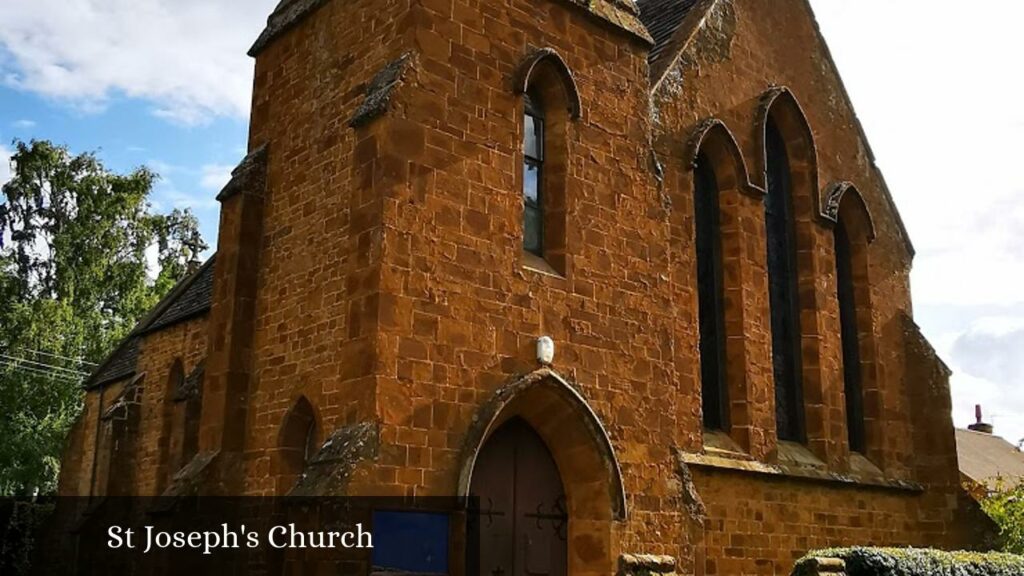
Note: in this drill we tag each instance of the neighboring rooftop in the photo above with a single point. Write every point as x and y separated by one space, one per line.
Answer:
985 458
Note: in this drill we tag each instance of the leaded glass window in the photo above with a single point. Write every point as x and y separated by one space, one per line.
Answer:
783 289
851 340
533 176
714 394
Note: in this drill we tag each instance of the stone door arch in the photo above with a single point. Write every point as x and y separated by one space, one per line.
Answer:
518 510
582 452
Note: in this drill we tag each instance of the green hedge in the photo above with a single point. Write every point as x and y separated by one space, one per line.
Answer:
918 562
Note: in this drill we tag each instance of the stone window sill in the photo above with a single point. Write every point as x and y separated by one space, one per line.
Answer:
795 461
534 263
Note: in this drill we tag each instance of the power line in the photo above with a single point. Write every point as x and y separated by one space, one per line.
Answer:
59 357
44 366
39 372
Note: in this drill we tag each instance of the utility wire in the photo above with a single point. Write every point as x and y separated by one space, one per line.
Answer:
39 372
59 357
43 366
29 366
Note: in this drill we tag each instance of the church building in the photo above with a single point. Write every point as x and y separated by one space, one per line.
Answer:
623 272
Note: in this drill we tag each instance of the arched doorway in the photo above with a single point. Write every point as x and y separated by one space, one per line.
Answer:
519 508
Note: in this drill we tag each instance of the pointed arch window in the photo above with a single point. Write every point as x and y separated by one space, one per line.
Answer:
297 444
714 390
533 174
551 102
783 288
852 377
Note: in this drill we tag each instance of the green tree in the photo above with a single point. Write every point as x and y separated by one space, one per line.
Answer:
82 258
1006 508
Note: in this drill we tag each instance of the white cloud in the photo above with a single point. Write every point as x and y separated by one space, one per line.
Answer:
215 176
5 165
186 57
939 106
942 118
990 365
24 124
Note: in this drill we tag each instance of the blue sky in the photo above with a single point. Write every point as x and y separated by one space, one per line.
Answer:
166 83
193 161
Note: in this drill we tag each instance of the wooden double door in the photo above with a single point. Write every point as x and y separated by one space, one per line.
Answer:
519 513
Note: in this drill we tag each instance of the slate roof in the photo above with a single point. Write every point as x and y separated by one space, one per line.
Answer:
985 457
119 365
662 18
194 300
190 298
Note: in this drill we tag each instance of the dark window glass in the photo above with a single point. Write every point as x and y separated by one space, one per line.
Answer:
533 172
783 288
714 394
851 341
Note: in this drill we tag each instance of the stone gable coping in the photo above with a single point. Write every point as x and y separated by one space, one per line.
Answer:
249 177
287 15
329 471
380 91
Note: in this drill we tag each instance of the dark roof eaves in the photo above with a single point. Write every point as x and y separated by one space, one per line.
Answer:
91 383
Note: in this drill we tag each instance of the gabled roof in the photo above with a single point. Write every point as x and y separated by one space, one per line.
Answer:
662 18
188 299
192 300
985 458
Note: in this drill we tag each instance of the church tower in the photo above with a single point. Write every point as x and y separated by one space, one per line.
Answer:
625 272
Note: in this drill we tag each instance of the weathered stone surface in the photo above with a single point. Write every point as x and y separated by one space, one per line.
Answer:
329 472
249 177
378 93
381 278
646 565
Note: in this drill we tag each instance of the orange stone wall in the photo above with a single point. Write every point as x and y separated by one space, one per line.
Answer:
392 286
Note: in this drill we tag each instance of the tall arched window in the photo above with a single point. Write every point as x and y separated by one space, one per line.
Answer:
189 412
551 102
533 174
852 379
297 444
122 421
783 287
853 232
170 438
714 389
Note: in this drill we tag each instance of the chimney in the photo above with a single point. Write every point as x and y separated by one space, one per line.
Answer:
980 426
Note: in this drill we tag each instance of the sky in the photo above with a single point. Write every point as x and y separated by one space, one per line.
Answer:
167 84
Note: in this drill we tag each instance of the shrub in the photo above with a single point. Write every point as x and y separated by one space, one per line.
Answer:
1006 508
918 562
20 522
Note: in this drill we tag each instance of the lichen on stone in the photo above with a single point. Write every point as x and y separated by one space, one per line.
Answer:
380 91
329 471
714 40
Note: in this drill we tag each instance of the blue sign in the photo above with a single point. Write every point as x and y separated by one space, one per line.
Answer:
414 542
